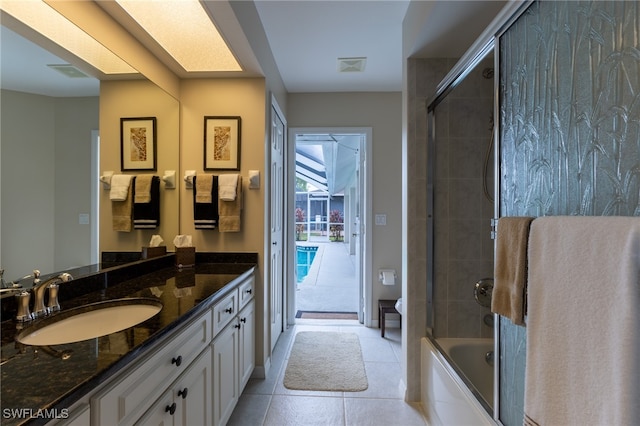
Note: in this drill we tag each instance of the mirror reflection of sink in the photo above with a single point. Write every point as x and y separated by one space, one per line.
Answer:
89 321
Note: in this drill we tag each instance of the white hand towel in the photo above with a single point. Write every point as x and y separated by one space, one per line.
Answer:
227 187
583 339
119 187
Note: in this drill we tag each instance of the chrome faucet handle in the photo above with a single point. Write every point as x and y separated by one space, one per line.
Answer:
23 314
53 305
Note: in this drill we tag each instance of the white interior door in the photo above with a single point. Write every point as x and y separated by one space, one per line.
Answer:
276 263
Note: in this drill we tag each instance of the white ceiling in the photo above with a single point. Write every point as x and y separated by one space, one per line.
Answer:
306 38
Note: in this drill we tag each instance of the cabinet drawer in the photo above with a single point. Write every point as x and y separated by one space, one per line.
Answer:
247 289
224 311
143 383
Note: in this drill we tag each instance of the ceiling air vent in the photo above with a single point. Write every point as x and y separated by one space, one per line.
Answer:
68 70
351 64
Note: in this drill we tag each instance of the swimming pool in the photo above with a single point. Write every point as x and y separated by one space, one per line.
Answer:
304 259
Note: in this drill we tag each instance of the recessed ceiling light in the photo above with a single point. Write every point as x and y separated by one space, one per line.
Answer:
185 31
46 21
351 64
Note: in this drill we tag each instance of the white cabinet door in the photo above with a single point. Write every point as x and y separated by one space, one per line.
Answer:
162 413
246 319
192 393
225 374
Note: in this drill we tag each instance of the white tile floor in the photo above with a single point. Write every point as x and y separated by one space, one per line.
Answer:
268 402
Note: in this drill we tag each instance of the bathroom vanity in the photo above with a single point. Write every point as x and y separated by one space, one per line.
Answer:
187 364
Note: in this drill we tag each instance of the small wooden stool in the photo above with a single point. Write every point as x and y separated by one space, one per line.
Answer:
384 307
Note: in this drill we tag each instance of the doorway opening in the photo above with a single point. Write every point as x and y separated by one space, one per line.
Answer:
327 217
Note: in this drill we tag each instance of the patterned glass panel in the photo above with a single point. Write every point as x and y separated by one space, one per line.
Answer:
570 138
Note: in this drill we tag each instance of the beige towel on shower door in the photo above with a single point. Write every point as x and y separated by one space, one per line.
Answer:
510 269
583 334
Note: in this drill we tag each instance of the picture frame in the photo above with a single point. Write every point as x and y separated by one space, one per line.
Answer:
138 143
222 143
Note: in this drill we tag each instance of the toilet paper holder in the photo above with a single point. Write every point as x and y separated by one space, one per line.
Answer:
387 276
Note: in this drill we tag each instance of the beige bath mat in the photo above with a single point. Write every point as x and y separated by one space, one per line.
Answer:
326 361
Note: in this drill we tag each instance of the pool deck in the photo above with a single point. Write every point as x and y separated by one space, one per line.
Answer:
330 285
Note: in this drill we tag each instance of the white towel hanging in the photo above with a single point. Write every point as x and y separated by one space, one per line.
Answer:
119 187
227 187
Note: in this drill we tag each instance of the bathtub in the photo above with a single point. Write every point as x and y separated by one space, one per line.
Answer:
447 398
469 355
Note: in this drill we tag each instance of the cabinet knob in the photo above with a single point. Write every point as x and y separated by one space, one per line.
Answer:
249 291
183 393
243 320
171 409
228 310
237 326
177 361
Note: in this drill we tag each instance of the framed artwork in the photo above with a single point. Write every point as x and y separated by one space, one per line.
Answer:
222 143
138 143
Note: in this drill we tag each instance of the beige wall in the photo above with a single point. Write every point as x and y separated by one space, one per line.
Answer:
381 112
139 98
228 97
224 97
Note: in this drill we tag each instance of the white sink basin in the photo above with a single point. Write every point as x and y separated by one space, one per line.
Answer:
90 321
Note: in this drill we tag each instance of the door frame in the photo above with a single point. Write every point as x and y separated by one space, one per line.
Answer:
366 208
285 232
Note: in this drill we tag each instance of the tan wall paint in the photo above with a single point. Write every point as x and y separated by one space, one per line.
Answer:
229 97
138 99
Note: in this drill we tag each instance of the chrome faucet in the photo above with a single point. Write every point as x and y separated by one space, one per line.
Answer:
40 287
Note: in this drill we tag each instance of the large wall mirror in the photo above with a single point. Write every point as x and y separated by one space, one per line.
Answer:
58 135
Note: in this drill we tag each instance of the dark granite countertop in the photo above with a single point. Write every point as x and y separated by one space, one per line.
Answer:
35 378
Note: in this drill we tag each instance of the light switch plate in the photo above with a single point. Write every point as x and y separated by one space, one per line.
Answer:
381 219
83 219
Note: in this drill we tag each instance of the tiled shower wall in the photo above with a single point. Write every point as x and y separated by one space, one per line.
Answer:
423 76
463 249
570 130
